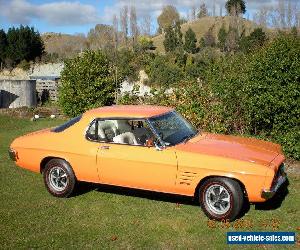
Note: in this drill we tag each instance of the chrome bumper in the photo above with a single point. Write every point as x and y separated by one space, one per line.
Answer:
280 179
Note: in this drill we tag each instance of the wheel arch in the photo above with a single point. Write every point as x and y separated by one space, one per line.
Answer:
47 159
200 183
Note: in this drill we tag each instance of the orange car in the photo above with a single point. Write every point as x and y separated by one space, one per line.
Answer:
153 148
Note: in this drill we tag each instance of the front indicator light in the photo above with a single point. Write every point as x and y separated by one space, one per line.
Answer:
13 154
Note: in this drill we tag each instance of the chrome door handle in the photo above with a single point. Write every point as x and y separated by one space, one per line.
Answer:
104 147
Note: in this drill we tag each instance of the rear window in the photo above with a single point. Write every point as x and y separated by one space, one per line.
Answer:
66 125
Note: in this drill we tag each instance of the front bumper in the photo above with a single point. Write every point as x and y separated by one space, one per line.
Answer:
279 180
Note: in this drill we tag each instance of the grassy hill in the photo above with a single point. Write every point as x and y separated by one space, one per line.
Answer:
63 45
201 26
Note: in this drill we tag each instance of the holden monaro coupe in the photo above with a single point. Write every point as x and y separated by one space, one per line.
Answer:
153 148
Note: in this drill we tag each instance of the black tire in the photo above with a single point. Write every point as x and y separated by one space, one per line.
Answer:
59 178
224 205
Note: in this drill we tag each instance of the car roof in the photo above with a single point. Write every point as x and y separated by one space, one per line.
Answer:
128 111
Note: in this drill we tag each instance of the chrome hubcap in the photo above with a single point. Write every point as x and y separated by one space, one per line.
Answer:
58 179
218 199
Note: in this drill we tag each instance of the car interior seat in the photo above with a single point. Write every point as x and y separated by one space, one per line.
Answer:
107 130
122 126
126 138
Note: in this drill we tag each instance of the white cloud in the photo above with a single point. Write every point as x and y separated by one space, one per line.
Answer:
154 7
70 13
55 13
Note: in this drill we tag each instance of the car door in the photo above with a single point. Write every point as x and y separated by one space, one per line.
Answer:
137 166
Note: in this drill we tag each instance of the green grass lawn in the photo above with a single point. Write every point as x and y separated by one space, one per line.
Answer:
101 217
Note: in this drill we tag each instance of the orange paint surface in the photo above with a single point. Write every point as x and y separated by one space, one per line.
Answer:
176 169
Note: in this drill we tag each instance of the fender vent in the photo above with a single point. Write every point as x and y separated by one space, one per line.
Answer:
186 178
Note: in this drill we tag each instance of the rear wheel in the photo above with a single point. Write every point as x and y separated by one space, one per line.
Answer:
221 198
59 178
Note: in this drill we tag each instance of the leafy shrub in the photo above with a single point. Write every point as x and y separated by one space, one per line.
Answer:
260 92
87 82
164 73
273 93
253 94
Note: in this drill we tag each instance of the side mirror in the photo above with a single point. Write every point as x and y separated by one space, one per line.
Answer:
149 143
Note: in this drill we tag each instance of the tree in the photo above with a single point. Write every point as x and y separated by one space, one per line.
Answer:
24 43
116 31
173 38
170 39
232 40
146 24
101 37
133 25
202 11
214 8
124 22
256 39
193 12
87 82
190 41
3 46
209 39
168 17
164 72
235 7
261 16
222 35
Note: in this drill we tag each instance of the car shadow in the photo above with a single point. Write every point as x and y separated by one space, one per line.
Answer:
276 201
245 208
84 187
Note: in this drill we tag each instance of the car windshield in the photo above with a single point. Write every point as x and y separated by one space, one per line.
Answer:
173 128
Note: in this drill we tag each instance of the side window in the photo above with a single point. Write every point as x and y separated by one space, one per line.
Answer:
102 131
121 131
91 133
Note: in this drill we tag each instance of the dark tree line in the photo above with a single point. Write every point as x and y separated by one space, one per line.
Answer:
19 44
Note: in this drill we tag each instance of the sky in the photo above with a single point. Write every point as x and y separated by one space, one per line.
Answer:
72 17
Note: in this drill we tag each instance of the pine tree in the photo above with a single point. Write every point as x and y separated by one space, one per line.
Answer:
190 41
235 7
169 42
173 38
3 45
178 35
24 43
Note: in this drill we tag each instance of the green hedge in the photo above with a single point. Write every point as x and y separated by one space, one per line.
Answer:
257 94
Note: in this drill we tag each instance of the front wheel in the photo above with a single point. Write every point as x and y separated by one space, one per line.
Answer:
221 198
59 178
